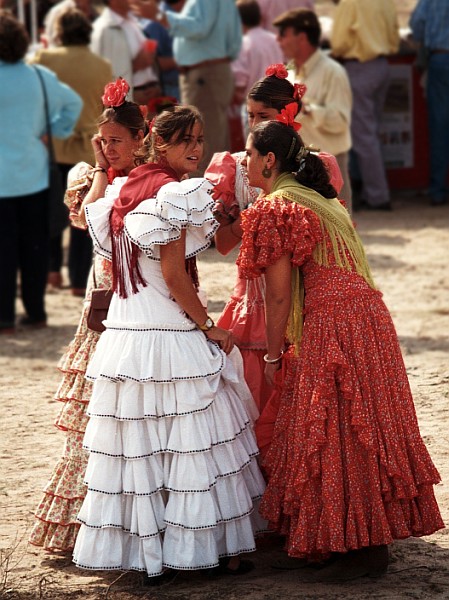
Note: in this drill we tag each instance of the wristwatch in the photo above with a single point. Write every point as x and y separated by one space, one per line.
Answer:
208 324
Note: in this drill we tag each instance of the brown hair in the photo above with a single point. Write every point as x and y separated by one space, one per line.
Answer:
250 13
14 38
172 126
292 157
73 28
273 92
302 20
127 114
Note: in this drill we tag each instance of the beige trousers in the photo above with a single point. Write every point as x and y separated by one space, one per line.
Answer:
210 88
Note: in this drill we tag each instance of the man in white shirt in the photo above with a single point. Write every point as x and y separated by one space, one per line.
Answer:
118 37
327 103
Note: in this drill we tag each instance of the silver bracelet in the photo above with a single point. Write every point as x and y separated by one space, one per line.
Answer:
272 361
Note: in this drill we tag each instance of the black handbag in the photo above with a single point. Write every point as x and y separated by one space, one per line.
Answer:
58 215
99 306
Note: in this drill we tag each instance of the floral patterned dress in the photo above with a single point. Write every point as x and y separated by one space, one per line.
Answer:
56 526
347 465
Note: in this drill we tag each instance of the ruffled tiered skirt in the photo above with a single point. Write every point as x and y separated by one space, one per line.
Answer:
244 315
347 465
56 526
172 475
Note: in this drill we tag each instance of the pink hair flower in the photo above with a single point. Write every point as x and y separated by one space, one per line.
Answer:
115 93
278 70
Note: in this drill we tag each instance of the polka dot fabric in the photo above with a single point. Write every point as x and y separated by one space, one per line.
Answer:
347 466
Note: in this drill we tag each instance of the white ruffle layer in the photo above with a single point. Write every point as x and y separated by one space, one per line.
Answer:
177 548
221 421
157 355
157 221
178 205
231 498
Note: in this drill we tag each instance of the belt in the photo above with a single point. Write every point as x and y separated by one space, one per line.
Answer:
346 60
145 86
205 63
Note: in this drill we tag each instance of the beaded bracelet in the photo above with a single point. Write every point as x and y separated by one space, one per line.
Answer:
92 172
272 361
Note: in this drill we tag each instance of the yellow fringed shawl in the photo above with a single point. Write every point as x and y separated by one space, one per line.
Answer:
336 224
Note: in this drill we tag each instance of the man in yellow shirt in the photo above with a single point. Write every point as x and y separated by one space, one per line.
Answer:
364 33
326 112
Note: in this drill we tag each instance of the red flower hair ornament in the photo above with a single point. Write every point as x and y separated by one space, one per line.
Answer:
278 70
299 91
287 116
115 93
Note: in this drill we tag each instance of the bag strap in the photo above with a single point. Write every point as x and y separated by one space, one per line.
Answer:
93 273
51 151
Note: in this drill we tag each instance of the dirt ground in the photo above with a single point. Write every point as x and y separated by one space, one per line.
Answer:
408 250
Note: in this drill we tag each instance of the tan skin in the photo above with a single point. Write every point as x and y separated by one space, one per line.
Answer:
184 158
114 146
278 275
230 234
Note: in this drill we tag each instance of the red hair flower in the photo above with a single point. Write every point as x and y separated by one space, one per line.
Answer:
160 103
287 116
278 70
115 93
299 91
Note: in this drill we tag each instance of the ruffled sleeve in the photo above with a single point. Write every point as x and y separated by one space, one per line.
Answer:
274 227
178 205
222 173
97 217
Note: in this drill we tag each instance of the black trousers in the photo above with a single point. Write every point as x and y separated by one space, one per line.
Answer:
24 250
80 250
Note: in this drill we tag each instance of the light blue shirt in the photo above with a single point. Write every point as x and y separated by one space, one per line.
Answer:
429 23
205 30
23 156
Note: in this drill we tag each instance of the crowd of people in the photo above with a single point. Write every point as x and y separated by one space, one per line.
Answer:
292 415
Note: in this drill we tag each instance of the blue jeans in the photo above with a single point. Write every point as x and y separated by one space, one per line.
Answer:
438 118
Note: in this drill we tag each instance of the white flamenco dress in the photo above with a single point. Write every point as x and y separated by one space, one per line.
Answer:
172 475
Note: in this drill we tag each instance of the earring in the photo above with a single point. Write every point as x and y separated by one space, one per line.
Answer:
266 173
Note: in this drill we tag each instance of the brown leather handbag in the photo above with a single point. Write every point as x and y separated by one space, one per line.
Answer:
99 306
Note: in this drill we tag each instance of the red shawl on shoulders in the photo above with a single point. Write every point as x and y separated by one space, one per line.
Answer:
143 183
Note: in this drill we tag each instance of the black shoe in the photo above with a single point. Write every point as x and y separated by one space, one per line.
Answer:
438 201
32 323
371 561
7 328
163 579
384 206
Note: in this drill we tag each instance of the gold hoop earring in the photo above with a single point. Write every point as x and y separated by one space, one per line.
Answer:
266 173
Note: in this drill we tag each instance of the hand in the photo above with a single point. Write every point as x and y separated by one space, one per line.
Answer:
78 218
223 337
146 9
271 370
100 159
144 59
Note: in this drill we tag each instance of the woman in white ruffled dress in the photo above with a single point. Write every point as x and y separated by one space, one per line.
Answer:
173 481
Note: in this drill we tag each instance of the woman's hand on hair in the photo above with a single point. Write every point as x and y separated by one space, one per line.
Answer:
223 337
100 159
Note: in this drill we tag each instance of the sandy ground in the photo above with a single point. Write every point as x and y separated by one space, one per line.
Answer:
408 250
